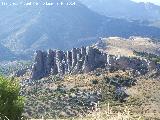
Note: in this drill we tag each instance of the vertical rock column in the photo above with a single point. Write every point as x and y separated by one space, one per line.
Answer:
74 57
50 60
38 67
52 66
45 64
69 61
78 67
60 62
83 52
89 60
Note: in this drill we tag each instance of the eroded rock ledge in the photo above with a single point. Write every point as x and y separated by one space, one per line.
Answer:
84 60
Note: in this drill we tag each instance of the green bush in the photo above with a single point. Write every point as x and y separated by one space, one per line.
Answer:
11 103
148 56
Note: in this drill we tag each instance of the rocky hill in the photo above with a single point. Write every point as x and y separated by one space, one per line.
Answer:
126 47
85 60
80 82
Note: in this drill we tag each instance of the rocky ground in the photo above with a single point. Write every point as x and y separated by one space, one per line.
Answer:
88 95
75 95
120 82
51 98
147 97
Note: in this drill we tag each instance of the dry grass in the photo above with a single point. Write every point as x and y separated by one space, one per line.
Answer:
106 114
125 47
85 80
147 94
144 99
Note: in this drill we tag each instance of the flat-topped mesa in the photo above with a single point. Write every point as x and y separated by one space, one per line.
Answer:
83 60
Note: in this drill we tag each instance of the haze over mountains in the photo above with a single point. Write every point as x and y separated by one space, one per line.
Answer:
125 9
5 54
26 29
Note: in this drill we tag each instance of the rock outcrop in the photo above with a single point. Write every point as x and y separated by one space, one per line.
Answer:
75 61
83 60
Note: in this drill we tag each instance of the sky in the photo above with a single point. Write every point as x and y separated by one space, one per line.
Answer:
152 1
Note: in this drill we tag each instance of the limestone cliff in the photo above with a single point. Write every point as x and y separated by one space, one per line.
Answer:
84 60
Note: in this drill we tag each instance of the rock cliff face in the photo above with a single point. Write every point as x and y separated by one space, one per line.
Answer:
83 60
75 61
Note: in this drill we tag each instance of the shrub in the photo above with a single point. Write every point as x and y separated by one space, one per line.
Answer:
11 104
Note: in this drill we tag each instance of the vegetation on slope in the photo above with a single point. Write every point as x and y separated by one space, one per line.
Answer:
73 95
148 56
8 68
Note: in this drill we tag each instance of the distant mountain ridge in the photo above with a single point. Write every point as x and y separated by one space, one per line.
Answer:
5 54
27 29
125 9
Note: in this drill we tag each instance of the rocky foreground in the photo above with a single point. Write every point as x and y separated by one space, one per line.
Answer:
82 94
73 95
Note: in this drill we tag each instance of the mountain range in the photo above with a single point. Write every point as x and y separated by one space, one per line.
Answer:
30 28
125 9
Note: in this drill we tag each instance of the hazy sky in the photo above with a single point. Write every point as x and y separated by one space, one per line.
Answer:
152 1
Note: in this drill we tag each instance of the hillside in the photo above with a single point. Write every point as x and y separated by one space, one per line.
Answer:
81 83
5 54
125 9
126 47
69 97
26 29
